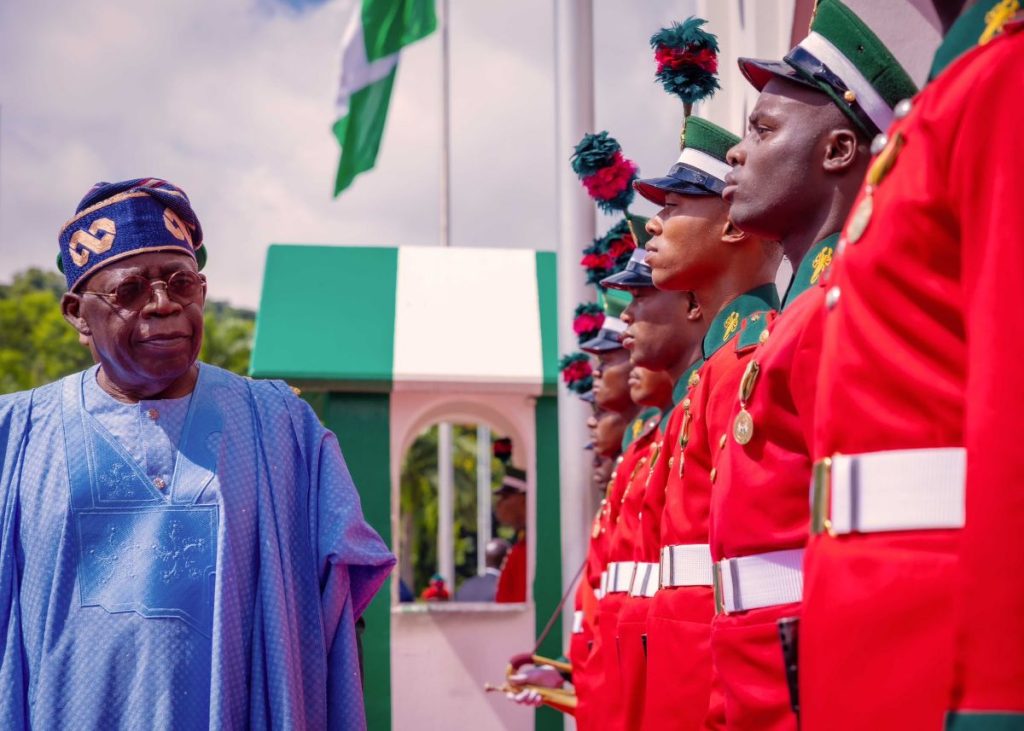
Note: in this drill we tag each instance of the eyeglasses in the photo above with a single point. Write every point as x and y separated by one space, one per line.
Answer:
134 292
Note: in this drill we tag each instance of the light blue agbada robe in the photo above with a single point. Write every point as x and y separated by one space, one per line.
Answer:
224 596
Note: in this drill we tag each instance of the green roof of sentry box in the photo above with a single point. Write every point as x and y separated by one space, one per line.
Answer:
375 319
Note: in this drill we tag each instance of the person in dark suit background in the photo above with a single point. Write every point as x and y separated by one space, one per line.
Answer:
481 588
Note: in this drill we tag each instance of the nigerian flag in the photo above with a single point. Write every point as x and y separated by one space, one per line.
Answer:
379 29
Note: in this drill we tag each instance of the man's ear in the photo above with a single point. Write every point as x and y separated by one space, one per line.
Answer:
842 151
693 311
71 308
731 233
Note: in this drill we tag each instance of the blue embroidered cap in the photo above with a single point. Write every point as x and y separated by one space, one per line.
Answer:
117 220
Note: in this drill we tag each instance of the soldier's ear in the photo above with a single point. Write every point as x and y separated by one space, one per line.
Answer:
693 312
843 150
71 308
731 233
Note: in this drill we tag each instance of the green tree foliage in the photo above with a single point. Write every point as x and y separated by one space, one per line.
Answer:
37 346
418 508
227 337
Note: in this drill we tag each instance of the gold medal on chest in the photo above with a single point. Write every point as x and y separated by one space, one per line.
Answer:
743 427
861 217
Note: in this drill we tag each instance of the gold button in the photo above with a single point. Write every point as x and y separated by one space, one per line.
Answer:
763 337
714 474
850 97
721 442
159 483
153 414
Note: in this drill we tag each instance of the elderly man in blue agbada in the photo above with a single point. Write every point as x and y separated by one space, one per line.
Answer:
180 547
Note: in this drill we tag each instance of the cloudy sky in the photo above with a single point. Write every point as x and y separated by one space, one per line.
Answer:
233 100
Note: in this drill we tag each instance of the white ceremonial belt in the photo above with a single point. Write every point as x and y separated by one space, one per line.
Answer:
761 580
645 580
620 576
577 622
602 589
898 490
686 565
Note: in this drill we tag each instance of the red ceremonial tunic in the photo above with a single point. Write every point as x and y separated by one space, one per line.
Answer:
581 642
760 503
600 698
623 531
679 620
920 351
512 581
587 676
632 626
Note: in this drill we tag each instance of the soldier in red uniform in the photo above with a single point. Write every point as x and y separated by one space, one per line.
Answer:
510 510
812 126
597 691
916 416
696 248
664 333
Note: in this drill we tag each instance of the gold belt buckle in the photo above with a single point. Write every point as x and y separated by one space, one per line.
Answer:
821 497
716 583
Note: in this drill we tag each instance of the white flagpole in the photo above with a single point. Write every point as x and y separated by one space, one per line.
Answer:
574 115
446 123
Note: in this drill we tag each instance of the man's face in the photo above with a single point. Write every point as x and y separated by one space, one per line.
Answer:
686 245
153 345
611 386
777 177
649 387
657 322
603 467
511 509
606 430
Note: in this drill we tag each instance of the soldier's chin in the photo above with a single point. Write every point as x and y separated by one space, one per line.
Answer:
668 280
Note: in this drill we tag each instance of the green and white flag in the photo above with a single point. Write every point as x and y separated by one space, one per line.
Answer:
379 29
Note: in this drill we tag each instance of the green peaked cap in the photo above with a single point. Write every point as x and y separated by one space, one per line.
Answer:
614 302
707 137
638 227
609 337
842 57
701 167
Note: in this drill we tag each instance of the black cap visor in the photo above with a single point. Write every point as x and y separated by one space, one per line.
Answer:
508 490
628 279
682 180
604 342
760 71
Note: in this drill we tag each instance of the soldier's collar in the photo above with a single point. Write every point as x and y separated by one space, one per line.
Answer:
967 32
639 426
689 379
727 322
811 268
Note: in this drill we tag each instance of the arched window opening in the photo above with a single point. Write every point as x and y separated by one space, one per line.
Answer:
462 508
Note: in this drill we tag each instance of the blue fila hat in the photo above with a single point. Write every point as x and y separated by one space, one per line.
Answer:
117 220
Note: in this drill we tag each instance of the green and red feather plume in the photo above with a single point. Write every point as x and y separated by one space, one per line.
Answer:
577 373
606 174
687 59
609 253
587 321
